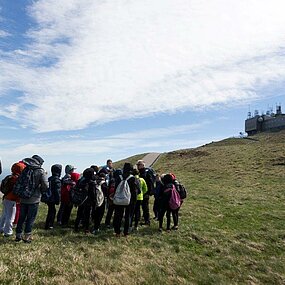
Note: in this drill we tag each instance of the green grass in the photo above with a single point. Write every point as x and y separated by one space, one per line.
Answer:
231 228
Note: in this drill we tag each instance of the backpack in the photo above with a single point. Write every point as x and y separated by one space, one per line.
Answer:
6 185
79 193
99 195
47 195
149 172
181 190
122 195
25 185
174 201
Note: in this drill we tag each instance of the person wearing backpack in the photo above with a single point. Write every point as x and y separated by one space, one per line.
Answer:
9 200
125 199
98 209
170 202
66 206
30 184
149 176
88 185
117 178
137 211
54 196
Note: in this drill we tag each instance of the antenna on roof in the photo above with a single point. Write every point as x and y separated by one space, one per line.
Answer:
248 113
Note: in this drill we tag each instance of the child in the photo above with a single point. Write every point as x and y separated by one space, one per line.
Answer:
10 199
55 186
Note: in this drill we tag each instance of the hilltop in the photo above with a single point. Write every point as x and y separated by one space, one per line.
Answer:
231 227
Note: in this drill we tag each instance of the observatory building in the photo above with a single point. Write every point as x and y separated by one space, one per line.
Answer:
269 122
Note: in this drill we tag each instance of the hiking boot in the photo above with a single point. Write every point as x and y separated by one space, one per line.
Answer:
7 235
18 238
95 232
28 238
175 228
160 230
118 235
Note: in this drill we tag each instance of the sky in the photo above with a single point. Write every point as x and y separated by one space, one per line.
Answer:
82 81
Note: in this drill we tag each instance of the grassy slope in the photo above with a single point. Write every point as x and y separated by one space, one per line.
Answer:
231 228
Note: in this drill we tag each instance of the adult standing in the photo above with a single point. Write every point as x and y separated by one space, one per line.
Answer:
147 175
29 206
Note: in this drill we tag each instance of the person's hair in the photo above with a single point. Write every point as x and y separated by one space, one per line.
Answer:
136 171
109 160
95 167
140 162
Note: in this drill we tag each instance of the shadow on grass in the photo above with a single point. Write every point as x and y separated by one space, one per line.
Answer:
69 235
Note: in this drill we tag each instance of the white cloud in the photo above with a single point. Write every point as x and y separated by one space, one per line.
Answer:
97 150
125 59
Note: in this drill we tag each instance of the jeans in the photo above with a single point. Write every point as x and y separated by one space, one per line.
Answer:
28 213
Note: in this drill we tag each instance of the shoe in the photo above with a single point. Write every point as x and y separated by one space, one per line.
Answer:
7 235
175 228
160 230
118 235
136 229
168 230
18 238
27 238
95 232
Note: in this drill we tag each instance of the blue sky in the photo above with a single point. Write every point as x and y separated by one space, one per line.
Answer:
82 81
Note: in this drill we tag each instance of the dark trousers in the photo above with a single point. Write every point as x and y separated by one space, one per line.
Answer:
175 217
97 215
119 213
28 213
66 212
83 216
137 213
145 208
50 215
79 217
111 208
59 213
156 207
168 216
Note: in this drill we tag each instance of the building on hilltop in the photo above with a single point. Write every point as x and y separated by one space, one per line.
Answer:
268 122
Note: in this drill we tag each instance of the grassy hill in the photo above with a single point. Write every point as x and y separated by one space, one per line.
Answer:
231 228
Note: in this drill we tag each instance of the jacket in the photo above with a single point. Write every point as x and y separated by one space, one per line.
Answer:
55 183
40 178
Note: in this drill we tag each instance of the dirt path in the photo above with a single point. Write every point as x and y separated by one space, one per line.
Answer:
151 158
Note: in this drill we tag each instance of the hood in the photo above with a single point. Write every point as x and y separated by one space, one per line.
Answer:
38 159
75 176
32 162
56 170
89 174
17 168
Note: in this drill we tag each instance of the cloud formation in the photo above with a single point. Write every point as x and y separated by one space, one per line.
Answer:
98 61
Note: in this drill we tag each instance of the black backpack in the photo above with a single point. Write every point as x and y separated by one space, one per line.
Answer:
79 193
5 185
25 185
180 189
47 195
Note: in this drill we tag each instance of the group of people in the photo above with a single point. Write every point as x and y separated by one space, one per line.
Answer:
121 193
